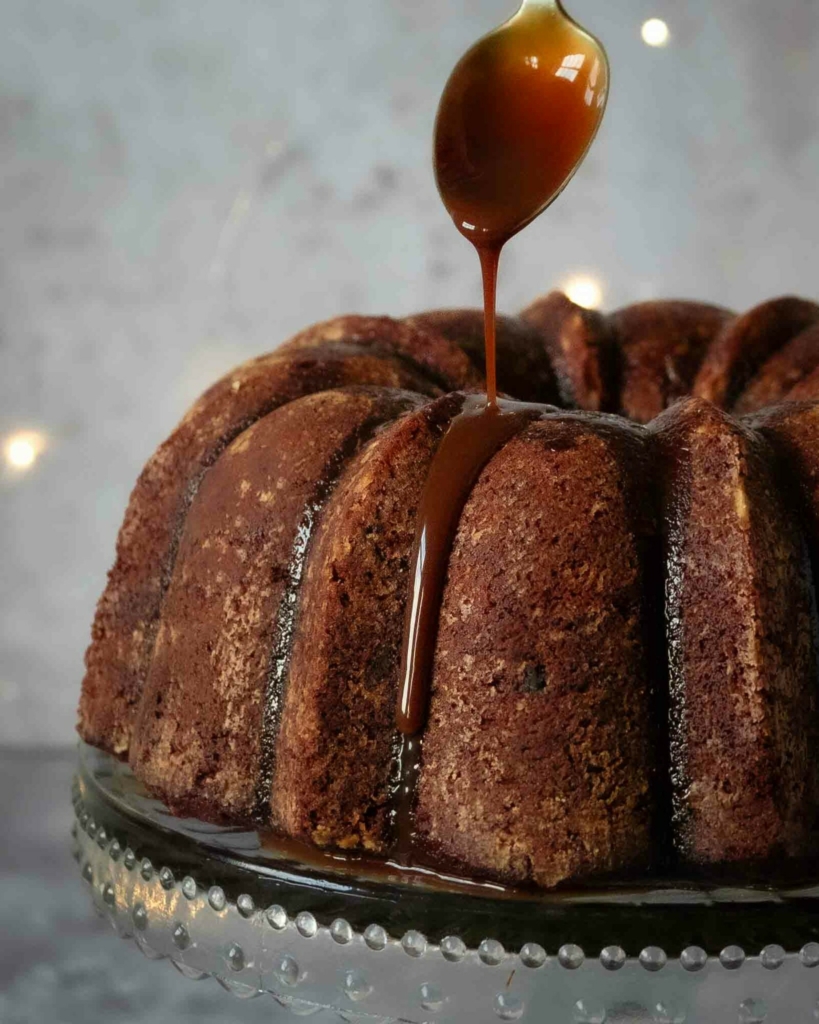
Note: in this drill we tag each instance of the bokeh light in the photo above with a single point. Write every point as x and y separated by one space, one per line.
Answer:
655 32
584 290
22 449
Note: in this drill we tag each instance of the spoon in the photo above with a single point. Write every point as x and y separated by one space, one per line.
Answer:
515 120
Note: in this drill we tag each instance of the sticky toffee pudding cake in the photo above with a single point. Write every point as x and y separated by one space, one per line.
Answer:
598 569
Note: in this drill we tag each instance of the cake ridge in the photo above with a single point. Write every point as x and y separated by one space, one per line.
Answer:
742 590
744 344
343 671
782 372
431 352
474 436
522 371
535 761
287 613
582 349
662 345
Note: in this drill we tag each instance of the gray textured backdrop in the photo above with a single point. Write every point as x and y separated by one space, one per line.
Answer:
185 184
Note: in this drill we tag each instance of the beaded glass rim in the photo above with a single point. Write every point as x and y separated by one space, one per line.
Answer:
676 919
414 943
369 976
315 948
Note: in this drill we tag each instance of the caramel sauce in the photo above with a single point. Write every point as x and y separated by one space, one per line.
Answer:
516 118
473 437
353 864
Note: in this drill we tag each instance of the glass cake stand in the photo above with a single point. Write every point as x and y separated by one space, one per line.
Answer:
386 948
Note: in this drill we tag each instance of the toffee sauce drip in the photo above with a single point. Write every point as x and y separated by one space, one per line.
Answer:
473 437
516 118
490 258
477 433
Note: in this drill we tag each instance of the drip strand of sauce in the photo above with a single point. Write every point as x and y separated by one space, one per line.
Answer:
516 118
490 258
473 437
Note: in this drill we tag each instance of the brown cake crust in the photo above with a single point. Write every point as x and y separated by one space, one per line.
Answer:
744 344
806 390
424 350
580 346
127 614
662 344
200 728
793 430
344 670
245 652
538 758
740 639
781 373
524 368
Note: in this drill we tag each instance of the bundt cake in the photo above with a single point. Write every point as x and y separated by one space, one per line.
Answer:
625 663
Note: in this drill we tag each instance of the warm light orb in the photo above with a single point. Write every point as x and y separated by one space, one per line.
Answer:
21 449
584 291
655 32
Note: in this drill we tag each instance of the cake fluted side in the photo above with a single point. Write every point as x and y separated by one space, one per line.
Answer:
223 647
127 617
343 676
806 389
742 347
782 373
742 654
525 369
582 348
539 761
662 345
245 652
437 355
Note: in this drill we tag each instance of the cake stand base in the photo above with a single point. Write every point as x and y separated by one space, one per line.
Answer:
216 903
